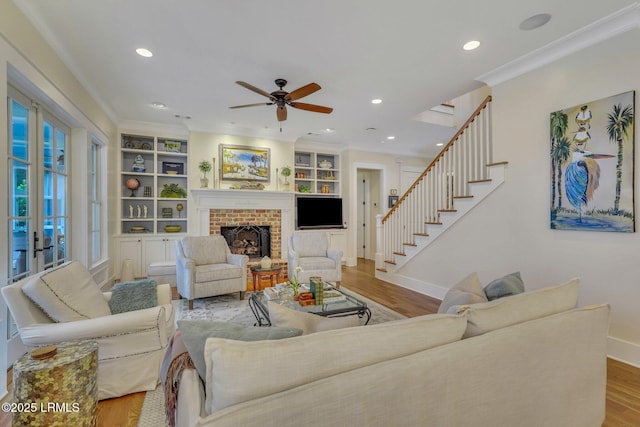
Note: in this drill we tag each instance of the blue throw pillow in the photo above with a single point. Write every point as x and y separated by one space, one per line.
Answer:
511 284
131 296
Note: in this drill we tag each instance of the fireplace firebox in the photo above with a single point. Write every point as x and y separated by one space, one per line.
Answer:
251 240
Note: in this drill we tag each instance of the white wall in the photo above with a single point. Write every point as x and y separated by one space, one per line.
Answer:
510 230
205 146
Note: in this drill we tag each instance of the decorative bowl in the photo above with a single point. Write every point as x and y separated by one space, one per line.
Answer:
325 164
172 228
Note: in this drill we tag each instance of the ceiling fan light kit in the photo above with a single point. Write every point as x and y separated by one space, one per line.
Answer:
281 98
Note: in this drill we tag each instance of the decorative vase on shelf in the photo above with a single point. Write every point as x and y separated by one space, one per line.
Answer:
204 182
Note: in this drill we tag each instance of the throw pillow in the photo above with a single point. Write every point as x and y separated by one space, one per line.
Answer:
307 322
468 291
131 296
503 312
67 293
511 284
196 332
232 369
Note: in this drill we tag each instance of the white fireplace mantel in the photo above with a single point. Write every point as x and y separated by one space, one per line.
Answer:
206 199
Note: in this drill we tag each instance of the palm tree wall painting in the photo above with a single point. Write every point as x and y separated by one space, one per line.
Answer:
592 165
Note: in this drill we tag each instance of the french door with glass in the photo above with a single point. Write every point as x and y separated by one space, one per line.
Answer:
38 220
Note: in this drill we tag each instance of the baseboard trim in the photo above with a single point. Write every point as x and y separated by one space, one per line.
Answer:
623 351
425 288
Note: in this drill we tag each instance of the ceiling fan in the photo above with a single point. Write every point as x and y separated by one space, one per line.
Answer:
282 98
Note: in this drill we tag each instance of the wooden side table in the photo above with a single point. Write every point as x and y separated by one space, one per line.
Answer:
61 390
273 273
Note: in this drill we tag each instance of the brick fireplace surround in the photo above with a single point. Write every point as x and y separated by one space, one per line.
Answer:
261 217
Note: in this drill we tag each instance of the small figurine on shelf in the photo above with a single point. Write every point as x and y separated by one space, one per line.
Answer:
130 211
145 211
138 164
139 211
179 208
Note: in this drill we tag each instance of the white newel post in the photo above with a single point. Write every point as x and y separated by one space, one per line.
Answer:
379 242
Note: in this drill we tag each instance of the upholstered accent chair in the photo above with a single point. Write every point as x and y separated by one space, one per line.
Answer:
65 304
205 267
310 251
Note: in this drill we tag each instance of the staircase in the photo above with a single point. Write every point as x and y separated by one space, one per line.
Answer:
456 180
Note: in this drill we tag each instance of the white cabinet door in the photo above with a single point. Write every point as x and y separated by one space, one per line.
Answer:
130 248
153 251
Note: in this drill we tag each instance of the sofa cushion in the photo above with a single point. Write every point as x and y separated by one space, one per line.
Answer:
67 293
233 376
511 284
196 332
213 272
311 244
317 263
503 312
131 296
205 249
307 322
468 291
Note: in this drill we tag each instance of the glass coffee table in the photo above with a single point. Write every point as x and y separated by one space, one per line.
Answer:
346 305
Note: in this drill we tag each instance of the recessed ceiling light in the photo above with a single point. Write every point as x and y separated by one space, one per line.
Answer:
439 144
329 130
535 21
473 44
157 104
376 101
144 52
391 137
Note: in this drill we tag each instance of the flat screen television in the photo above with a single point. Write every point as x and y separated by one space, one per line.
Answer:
318 212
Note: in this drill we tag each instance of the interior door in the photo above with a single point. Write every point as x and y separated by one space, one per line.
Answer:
37 186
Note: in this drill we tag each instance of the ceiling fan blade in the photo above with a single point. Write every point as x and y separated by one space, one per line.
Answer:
255 89
252 105
311 107
302 91
281 112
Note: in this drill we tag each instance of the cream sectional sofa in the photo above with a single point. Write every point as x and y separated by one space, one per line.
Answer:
532 359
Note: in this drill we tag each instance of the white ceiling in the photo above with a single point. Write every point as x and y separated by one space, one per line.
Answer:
407 52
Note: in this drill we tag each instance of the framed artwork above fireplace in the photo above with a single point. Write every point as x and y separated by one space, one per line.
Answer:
243 163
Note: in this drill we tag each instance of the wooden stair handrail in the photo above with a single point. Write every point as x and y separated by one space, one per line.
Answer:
437 158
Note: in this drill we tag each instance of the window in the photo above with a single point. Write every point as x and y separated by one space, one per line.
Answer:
95 221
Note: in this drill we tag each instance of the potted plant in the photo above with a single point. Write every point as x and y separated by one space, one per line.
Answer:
295 282
205 167
286 173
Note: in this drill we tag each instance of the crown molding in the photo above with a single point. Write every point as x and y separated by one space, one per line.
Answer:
610 26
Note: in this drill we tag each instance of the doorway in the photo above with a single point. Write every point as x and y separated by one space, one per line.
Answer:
368 206
37 185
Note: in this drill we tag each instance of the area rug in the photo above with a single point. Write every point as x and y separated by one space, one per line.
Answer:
230 308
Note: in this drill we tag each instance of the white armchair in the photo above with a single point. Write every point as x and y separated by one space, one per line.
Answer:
131 344
205 267
311 252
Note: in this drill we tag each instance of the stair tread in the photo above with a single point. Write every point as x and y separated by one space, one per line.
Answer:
480 180
447 210
410 244
464 197
390 262
384 270
433 223
497 164
399 253
421 234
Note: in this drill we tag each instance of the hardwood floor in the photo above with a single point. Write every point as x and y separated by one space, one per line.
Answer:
623 381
